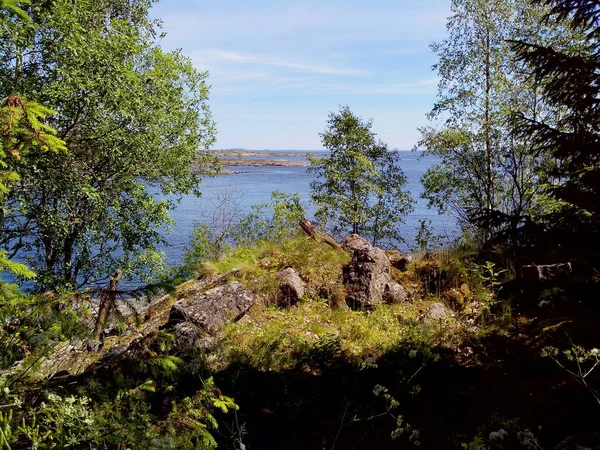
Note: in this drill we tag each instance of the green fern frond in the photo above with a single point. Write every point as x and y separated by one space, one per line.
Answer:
14 7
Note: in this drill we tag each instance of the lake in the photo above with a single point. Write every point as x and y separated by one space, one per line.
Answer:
255 184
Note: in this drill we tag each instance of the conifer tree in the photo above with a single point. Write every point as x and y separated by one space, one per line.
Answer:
569 80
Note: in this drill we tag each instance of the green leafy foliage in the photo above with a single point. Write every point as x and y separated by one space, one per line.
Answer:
359 185
490 176
274 222
134 118
22 132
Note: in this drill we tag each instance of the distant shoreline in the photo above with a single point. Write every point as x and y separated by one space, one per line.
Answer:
276 154
239 158
261 163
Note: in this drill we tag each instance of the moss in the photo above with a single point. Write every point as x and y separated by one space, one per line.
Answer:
319 266
271 339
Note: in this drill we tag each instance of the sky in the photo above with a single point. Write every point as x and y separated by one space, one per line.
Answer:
277 69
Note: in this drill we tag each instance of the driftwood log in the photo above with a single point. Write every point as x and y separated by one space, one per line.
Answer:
313 233
107 303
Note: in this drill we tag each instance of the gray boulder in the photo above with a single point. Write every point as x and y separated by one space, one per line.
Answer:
291 287
212 309
366 276
394 293
354 242
436 313
188 336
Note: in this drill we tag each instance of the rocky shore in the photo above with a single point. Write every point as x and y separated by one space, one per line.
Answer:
240 158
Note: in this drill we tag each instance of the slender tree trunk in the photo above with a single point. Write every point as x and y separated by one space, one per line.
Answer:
488 138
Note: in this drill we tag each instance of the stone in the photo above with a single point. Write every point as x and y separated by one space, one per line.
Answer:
355 242
394 293
398 260
547 272
291 287
212 309
366 276
436 313
188 336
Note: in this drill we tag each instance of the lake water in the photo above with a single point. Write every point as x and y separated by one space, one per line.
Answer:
255 184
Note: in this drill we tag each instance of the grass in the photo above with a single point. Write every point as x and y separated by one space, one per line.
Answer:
256 267
272 339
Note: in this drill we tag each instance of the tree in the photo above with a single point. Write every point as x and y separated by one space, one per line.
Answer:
21 131
568 76
134 118
489 177
358 186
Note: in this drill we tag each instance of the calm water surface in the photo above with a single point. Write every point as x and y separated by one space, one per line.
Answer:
255 184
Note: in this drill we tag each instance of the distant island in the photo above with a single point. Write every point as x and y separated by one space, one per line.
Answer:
237 158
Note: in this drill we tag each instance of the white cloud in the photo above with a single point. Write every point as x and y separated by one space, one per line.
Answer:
223 56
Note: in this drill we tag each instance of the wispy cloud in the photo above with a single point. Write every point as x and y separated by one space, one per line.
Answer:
416 87
277 68
220 56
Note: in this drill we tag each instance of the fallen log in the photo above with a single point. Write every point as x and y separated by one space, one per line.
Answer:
315 234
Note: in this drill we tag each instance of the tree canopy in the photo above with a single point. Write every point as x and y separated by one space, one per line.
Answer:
135 120
491 176
569 81
359 185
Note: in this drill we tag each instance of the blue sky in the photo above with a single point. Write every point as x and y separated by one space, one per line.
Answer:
277 68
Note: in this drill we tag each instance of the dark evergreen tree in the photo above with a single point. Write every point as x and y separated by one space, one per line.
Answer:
569 77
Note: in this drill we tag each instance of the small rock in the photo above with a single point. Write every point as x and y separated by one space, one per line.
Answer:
436 313
394 293
291 287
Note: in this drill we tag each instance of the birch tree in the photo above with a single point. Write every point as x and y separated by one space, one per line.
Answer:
489 177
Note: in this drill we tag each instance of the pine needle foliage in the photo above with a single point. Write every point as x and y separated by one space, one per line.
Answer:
569 77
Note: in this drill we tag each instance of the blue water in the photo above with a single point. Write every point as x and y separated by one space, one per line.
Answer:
255 184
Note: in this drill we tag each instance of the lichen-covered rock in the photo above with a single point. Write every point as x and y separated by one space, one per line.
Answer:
212 309
394 293
291 287
355 242
436 313
366 276
188 336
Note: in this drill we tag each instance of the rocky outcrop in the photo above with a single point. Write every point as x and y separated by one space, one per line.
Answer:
291 287
212 309
366 278
194 318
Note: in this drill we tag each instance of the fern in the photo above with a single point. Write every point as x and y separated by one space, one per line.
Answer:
14 6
